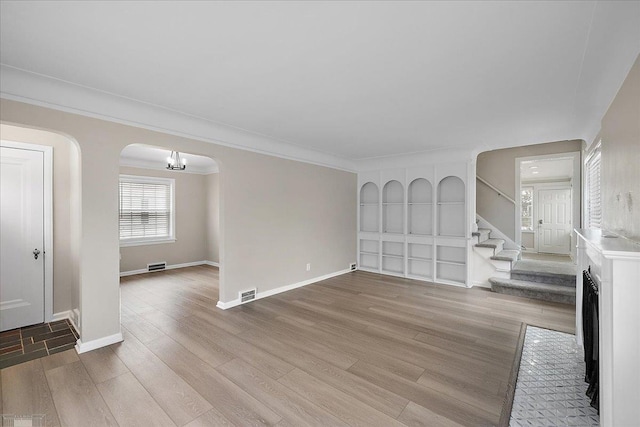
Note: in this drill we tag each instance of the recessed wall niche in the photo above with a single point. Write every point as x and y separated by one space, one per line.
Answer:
393 208
451 207
369 207
420 207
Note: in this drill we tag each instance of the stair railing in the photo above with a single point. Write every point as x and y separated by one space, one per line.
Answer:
497 190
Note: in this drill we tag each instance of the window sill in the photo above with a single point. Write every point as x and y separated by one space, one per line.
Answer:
125 243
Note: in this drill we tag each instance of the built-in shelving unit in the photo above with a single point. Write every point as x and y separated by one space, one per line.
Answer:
393 208
420 228
369 207
451 207
420 207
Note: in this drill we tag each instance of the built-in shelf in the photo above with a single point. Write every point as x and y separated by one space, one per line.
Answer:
451 262
451 207
369 218
369 253
420 259
420 220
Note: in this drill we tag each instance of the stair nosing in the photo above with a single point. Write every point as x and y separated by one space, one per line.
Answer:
519 284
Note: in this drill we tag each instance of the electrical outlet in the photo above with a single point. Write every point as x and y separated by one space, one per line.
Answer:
308 267
353 266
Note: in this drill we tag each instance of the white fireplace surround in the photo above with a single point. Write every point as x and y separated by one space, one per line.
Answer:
615 266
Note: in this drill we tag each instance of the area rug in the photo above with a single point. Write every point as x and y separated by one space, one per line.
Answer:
550 388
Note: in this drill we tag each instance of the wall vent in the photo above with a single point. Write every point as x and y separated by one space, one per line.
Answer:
157 266
248 295
353 266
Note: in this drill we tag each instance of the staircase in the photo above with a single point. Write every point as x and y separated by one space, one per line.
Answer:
543 280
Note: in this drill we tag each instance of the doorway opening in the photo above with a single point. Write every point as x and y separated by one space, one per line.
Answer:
40 241
169 223
548 205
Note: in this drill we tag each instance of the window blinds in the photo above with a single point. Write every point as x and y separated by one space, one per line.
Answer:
145 209
594 197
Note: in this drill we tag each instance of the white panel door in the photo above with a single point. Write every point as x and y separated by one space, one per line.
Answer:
554 221
21 238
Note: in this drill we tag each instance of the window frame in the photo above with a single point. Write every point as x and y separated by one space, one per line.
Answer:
595 157
532 189
152 240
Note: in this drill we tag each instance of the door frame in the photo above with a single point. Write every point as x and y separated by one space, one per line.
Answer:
549 186
48 218
576 194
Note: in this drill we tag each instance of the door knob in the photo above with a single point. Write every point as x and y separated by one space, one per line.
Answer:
540 221
36 252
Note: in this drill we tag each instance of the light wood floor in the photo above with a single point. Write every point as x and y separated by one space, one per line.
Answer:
359 349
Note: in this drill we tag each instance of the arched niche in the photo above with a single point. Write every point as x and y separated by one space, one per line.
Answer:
420 212
393 207
451 207
369 204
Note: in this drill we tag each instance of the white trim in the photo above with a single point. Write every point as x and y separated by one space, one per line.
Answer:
169 267
45 91
83 347
576 194
479 284
135 242
259 295
48 218
497 234
61 316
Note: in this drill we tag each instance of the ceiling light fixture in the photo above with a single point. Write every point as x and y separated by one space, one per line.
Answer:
533 167
174 162
534 172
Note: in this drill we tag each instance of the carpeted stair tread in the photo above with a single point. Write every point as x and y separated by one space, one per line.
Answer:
490 243
507 255
541 291
557 273
481 231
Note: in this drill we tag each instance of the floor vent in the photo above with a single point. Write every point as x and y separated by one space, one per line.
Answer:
157 266
248 295
352 267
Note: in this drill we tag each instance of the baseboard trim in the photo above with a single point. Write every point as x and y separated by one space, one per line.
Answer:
481 284
61 316
170 267
236 302
83 347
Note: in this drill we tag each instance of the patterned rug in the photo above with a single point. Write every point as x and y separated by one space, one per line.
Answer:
550 390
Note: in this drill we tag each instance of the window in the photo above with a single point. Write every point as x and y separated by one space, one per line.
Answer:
592 192
146 210
527 209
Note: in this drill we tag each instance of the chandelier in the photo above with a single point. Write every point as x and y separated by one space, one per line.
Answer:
174 162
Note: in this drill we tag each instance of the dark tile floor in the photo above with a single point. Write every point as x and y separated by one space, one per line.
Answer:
32 342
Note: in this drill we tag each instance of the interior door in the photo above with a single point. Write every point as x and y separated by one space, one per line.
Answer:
21 237
554 221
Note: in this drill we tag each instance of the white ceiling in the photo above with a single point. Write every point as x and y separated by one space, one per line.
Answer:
145 156
351 79
551 169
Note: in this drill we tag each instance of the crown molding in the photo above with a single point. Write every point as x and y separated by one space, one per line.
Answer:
45 91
